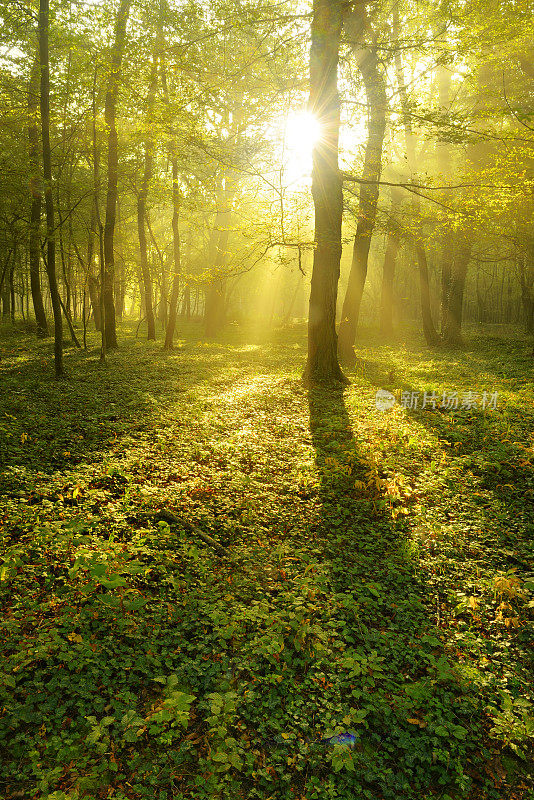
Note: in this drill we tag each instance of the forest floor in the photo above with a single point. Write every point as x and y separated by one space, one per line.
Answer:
377 583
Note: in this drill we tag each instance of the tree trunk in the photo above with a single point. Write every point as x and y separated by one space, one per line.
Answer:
141 202
110 328
34 248
92 281
527 300
429 329
175 290
327 190
388 277
175 286
375 89
443 152
452 334
44 14
12 288
215 305
186 305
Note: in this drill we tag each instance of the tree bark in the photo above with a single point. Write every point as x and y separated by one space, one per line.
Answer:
175 286
375 89
452 334
141 202
327 190
44 21
34 248
175 289
110 328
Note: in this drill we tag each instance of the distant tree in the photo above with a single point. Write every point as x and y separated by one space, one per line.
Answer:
375 89
113 164
43 29
34 249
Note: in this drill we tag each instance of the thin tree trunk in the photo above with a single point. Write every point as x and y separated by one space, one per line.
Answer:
110 328
375 89
388 278
448 242
214 310
527 299
175 289
36 201
44 19
141 202
12 287
175 286
327 190
429 330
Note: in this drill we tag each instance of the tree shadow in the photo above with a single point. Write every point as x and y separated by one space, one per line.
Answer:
492 443
416 726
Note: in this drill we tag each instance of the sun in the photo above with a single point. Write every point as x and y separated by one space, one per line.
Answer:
302 132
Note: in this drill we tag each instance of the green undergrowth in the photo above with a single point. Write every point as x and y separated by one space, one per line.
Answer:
378 581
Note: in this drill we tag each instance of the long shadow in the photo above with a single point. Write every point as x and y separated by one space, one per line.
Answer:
492 443
392 684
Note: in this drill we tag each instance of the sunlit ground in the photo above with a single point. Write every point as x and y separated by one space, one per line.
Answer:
377 578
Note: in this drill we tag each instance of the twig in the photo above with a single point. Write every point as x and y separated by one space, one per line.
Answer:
168 516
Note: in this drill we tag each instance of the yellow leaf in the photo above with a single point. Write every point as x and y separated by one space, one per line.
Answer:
75 637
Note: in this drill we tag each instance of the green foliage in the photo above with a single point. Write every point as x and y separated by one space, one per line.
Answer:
136 663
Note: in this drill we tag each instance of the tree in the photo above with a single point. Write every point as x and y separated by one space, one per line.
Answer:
327 190
34 250
121 22
43 29
375 89
142 197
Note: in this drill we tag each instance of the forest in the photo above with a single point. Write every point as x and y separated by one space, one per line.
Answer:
266 399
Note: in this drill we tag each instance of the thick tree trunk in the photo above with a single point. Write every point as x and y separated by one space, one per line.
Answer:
34 248
44 15
429 330
375 89
327 190
110 328
452 334
214 307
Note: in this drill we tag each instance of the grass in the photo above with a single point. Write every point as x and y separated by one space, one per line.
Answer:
379 578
